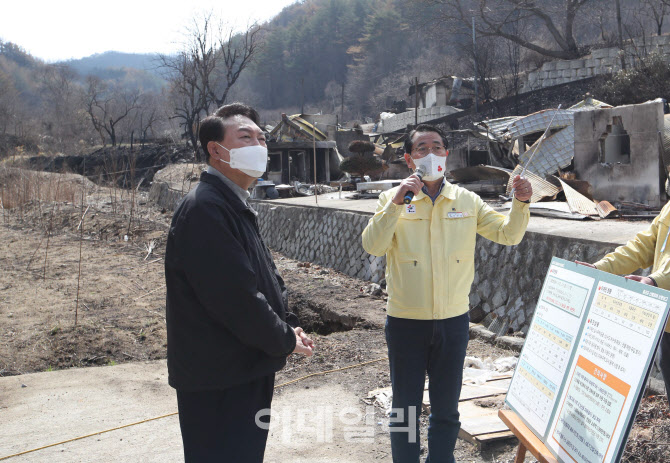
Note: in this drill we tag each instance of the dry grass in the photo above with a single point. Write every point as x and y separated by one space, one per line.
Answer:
19 187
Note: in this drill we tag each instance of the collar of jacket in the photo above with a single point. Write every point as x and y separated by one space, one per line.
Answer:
448 191
231 198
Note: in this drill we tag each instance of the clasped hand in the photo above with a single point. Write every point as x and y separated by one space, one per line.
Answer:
303 344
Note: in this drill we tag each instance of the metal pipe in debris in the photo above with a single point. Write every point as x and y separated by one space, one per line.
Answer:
537 147
523 171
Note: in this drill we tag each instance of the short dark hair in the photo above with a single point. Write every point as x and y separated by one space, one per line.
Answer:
213 128
423 128
235 109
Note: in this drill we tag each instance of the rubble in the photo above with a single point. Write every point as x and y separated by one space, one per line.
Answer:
477 371
579 203
523 133
541 187
594 157
304 189
555 209
373 289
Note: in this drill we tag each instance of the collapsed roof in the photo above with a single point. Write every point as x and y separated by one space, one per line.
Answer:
292 128
555 152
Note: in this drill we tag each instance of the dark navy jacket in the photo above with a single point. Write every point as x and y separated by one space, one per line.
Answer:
226 303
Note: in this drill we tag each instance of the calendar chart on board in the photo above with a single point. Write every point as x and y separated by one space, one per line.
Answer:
587 353
549 345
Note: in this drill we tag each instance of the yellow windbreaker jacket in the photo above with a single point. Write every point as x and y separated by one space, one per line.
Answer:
643 251
430 248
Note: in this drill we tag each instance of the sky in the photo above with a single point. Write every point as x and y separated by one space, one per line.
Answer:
59 30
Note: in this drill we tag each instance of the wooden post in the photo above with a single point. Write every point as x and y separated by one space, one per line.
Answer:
527 440
316 192
474 54
520 453
416 101
342 104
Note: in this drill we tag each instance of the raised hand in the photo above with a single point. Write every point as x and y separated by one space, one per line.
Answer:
522 188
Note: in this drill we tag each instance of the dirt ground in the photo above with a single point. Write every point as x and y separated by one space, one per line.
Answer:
109 279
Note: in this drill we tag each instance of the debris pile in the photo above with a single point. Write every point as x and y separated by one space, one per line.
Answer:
550 161
477 371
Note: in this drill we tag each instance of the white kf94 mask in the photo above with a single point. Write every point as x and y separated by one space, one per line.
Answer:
252 160
432 165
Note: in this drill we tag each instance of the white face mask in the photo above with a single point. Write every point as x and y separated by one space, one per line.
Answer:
433 166
252 160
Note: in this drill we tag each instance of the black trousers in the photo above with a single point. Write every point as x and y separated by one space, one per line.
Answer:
220 426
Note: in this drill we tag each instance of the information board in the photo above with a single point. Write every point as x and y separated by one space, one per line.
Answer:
585 361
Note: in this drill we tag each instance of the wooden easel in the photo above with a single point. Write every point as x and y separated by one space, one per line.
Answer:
527 440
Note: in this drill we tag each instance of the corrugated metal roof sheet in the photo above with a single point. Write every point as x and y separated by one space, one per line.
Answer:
555 152
579 203
474 173
541 188
605 208
538 122
589 103
304 128
308 127
556 209
498 126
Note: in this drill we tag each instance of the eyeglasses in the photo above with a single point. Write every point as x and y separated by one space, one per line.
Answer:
438 150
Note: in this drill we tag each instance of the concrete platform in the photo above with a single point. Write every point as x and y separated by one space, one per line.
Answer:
614 231
45 408
41 409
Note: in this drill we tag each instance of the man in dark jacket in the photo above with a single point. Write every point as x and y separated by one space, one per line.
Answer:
226 303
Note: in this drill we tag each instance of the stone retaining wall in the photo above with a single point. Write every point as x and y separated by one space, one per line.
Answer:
329 237
601 61
508 279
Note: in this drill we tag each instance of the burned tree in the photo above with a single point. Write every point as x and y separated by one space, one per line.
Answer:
202 74
186 96
107 106
189 73
500 18
657 10
235 53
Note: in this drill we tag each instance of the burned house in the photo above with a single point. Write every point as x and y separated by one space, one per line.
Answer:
618 151
445 91
436 99
300 145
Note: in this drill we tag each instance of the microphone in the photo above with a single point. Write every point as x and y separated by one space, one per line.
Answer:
420 172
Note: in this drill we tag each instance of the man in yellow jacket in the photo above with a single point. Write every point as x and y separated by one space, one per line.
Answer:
649 248
429 246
